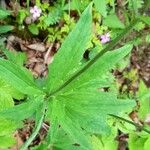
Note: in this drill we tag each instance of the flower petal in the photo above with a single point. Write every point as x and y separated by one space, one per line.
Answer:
31 10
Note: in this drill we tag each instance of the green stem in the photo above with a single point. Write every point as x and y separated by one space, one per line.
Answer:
90 63
132 123
36 131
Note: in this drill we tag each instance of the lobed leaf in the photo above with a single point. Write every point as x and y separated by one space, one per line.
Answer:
67 60
79 108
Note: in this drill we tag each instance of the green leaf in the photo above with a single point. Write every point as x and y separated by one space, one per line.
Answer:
113 21
18 58
101 6
80 100
22 13
58 117
135 5
70 109
6 141
147 144
93 108
143 91
11 92
105 142
4 13
2 40
143 96
135 142
7 93
61 141
33 29
12 118
95 76
53 113
6 100
7 127
40 147
5 28
68 57
75 132
146 20
18 77
22 111
76 4
80 108
53 16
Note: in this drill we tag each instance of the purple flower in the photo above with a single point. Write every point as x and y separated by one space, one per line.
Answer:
105 38
36 12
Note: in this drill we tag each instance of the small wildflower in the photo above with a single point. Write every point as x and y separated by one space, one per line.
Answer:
105 38
36 12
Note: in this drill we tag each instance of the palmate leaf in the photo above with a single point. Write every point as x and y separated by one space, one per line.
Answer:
79 108
71 52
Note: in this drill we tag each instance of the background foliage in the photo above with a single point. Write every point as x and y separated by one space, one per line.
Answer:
80 96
